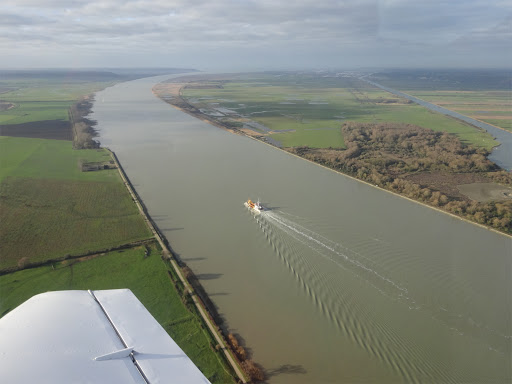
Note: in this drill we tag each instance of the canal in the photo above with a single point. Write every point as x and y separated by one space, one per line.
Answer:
501 155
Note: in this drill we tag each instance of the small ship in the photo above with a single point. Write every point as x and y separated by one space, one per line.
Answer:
254 207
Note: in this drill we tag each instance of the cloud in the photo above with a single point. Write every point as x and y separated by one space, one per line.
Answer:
328 29
9 20
224 20
494 42
437 21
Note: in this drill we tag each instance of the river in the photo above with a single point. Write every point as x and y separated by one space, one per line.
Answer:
339 282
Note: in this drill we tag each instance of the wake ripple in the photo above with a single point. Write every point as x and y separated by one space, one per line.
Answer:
337 301
339 255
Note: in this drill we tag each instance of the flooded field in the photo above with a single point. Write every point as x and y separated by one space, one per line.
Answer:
338 282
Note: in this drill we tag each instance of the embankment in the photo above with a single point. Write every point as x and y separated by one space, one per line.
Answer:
83 131
169 255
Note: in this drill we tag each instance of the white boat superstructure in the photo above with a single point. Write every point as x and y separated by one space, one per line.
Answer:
254 207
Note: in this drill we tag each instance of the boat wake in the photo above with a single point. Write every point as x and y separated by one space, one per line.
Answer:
327 275
339 279
341 256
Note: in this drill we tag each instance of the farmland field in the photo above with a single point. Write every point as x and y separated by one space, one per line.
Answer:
36 104
147 277
51 208
303 110
493 107
38 158
482 95
44 102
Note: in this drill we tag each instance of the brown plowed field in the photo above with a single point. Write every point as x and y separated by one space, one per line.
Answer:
446 183
50 129
5 106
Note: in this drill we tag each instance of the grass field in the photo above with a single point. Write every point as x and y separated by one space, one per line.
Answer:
44 100
146 277
445 79
50 208
26 112
54 159
309 110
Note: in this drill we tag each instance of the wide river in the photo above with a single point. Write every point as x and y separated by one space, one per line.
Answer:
340 282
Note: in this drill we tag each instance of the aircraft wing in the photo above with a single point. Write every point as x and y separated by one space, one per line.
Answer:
90 337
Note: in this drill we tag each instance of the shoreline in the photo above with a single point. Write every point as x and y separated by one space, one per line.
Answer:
239 132
169 255
82 128
197 294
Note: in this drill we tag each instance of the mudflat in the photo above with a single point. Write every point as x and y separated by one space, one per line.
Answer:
484 192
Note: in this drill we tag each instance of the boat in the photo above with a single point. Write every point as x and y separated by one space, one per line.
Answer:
254 207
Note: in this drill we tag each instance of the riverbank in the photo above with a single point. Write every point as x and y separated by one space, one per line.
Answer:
380 188
83 128
181 105
454 206
169 255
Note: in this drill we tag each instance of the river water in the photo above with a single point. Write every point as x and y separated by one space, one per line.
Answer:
339 282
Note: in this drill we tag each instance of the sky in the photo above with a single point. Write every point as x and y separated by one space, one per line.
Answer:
219 35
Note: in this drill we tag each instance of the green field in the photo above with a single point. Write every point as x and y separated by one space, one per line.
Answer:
146 277
26 112
502 123
309 110
50 208
50 159
445 79
42 100
493 107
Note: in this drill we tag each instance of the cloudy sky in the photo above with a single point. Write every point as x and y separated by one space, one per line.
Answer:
255 34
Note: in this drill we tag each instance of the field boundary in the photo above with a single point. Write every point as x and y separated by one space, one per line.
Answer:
38 264
171 257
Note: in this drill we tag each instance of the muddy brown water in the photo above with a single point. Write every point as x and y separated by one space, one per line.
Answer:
339 282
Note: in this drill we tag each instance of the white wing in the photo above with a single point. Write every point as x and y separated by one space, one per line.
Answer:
90 337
